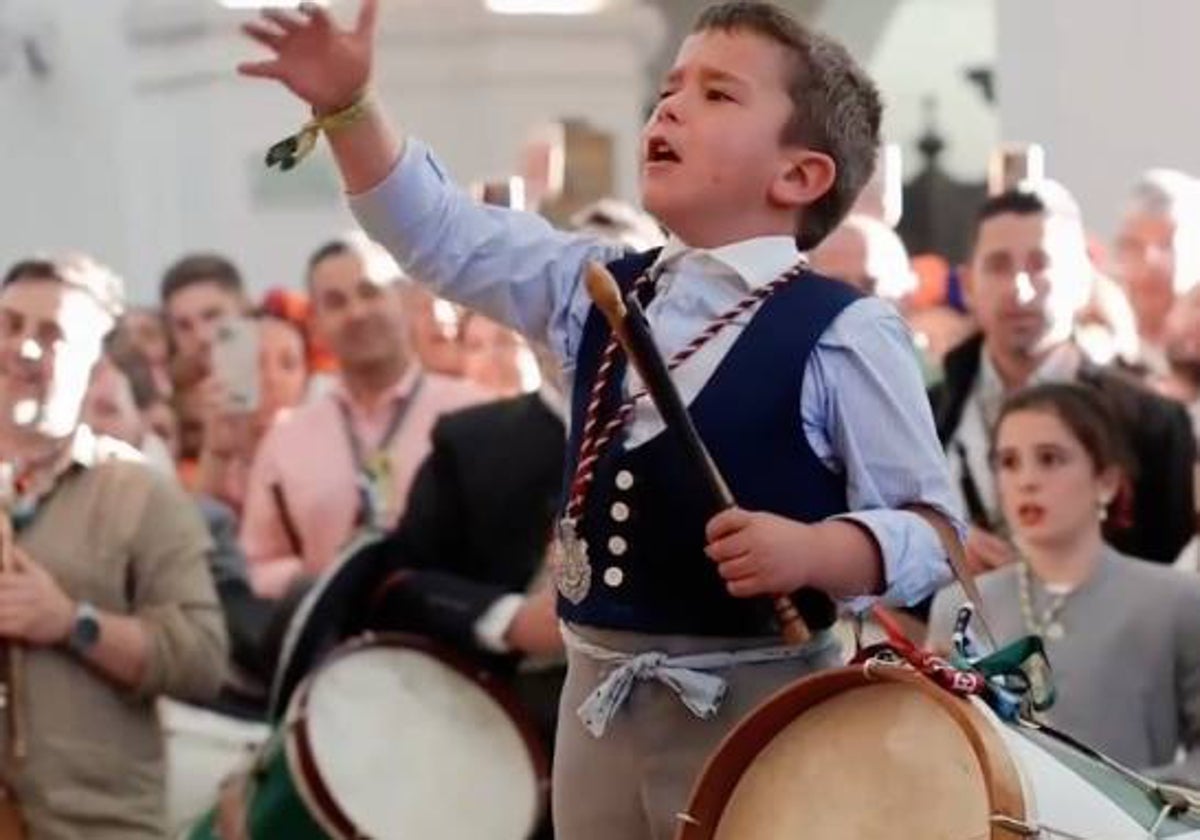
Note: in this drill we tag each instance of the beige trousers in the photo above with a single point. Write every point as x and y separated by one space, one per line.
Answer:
630 783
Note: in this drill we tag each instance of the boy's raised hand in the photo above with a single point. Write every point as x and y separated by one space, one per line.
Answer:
326 66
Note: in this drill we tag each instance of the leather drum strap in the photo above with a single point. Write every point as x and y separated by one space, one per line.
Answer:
958 564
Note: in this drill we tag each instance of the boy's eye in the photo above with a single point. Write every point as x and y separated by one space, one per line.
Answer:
663 94
717 96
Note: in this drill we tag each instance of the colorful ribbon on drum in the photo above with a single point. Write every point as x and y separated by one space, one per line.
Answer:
1014 681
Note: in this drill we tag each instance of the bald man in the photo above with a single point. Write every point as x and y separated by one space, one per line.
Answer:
867 254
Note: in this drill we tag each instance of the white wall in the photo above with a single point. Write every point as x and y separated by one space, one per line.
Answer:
1108 86
142 143
923 51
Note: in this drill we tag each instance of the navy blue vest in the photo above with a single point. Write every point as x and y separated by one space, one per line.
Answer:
647 508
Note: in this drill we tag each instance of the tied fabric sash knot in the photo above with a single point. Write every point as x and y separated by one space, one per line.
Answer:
687 676
701 693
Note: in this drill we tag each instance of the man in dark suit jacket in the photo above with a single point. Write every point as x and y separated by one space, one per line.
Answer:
474 536
1027 280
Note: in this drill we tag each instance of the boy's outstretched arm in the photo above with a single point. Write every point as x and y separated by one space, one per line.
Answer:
511 266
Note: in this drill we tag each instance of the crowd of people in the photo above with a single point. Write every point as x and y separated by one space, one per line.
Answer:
166 530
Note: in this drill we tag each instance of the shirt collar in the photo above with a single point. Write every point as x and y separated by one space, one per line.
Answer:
401 389
1060 365
755 261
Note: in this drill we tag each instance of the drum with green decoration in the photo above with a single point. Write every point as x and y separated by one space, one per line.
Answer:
878 751
389 738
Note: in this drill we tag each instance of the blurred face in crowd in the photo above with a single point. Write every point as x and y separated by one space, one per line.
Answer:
1146 266
283 370
434 331
1182 336
1027 280
159 417
1049 487
51 336
110 409
194 312
868 255
148 334
493 356
360 316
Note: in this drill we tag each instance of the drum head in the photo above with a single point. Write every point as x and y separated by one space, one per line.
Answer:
407 744
840 755
318 624
853 767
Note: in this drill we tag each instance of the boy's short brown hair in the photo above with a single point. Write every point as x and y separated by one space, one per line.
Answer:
836 106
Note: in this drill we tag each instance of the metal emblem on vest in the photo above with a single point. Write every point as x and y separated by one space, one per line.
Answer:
572 572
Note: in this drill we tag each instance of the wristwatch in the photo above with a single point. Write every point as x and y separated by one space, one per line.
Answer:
85 628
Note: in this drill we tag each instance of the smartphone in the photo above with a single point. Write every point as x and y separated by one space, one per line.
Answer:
235 363
1014 163
506 192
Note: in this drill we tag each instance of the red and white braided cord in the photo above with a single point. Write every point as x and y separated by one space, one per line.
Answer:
593 438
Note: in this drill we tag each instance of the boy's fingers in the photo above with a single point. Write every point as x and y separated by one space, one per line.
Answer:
726 522
266 36
738 569
366 17
729 548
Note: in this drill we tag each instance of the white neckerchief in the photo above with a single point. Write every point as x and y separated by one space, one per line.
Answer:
727 273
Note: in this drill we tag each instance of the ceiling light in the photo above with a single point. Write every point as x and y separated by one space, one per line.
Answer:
545 7
267 4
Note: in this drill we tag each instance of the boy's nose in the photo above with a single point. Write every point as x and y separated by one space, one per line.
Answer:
668 109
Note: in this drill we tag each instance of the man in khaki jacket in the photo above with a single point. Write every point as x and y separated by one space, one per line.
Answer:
108 588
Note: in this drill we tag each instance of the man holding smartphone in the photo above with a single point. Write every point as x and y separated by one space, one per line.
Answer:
200 293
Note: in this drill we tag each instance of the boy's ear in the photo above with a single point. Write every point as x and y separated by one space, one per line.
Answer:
806 175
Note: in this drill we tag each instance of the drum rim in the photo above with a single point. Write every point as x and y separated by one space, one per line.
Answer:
301 622
726 765
327 811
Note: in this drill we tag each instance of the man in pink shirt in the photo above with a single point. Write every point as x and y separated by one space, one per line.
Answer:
342 465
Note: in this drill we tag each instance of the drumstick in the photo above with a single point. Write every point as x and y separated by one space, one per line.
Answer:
628 324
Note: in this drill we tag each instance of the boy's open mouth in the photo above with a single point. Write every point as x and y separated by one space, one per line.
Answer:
659 150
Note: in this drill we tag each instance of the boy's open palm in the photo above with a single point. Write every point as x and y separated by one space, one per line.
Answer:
326 66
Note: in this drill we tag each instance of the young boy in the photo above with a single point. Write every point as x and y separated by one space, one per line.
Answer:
809 398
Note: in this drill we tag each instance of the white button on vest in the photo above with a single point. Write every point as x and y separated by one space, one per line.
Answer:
624 480
619 512
617 546
613 576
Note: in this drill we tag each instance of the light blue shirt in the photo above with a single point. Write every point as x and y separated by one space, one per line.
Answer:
863 407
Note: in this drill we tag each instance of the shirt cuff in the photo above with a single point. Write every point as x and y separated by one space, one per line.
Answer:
414 188
492 626
915 565
271 579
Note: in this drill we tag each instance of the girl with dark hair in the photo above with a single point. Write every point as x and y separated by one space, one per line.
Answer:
1123 636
